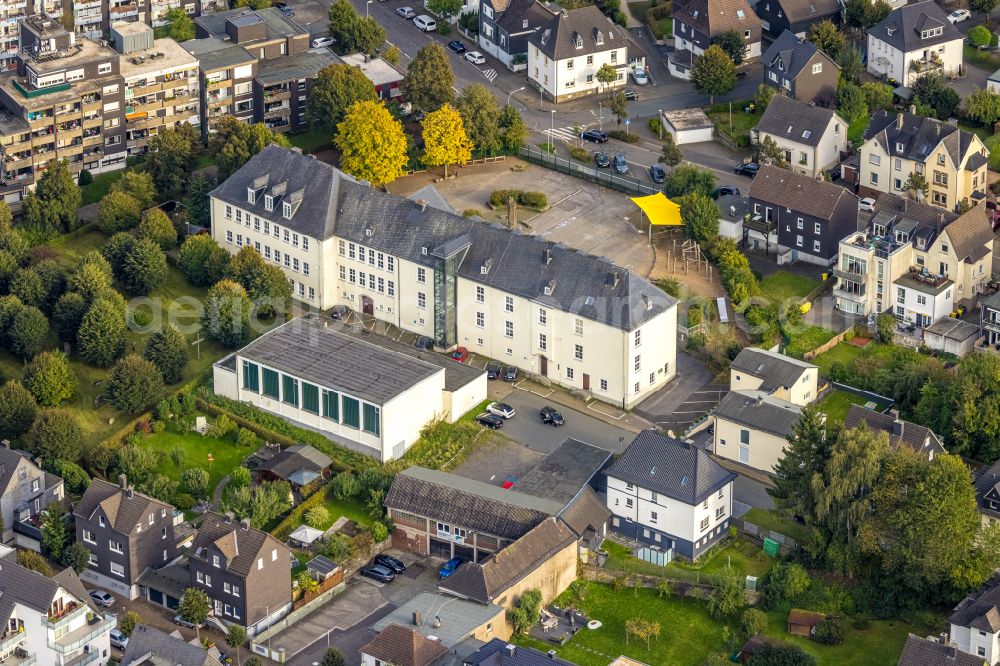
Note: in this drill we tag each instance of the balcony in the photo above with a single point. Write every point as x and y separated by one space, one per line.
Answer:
77 638
929 64
759 224
277 96
11 639
217 100
851 295
39 122
855 276
217 85
124 11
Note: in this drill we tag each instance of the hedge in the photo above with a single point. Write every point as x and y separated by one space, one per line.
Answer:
294 518
533 200
627 137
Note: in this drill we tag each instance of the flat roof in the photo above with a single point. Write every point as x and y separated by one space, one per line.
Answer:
298 66
378 71
173 57
688 119
564 471
214 53
923 287
457 618
11 124
953 329
130 27
308 348
278 25
88 50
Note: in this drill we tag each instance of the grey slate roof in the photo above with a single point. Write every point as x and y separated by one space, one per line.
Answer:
298 66
213 53
459 617
586 514
788 189
473 504
670 467
777 370
953 329
512 18
979 609
294 458
305 348
971 234
564 470
902 27
929 652
796 121
714 17
9 460
919 136
804 10
124 508
241 545
333 204
759 410
148 645
557 40
29 588
793 54
500 653
916 437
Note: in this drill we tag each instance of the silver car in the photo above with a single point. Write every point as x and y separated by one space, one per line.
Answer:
407 13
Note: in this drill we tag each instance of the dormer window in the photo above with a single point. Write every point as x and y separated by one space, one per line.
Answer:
268 202
579 41
251 196
899 148
599 38
286 210
215 561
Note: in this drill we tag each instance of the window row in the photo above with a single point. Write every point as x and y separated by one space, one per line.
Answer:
370 280
373 258
286 260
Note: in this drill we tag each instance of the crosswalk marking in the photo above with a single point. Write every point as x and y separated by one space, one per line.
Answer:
564 133
490 74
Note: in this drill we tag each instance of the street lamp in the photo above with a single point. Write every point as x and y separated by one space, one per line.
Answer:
511 93
366 8
659 118
552 131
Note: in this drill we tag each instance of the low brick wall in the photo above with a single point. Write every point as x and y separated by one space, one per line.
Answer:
680 588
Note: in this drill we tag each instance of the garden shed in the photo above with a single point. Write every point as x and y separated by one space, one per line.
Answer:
803 622
688 126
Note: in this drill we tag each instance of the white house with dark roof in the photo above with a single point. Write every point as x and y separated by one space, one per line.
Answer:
753 427
777 375
669 494
975 622
506 25
811 137
572 319
25 491
913 40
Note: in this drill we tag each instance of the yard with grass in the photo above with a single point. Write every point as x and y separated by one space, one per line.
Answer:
847 353
782 286
775 522
735 125
837 403
807 339
744 557
985 59
100 186
196 449
856 130
311 140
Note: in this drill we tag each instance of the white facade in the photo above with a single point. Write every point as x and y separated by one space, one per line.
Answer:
919 304
801 393
572 77
754 448
884 59
977 642
810 160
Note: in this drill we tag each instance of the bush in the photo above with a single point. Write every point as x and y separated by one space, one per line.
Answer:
245 437
654 126
630 137
829 632
158 426
980 36
694 315
317 517
240 476
221 427
134 384
534 200
380 532
86 178
581 154
670 286
74 477
861 622
184 502
753 621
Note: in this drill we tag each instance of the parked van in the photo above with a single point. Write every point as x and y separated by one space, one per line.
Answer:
425 23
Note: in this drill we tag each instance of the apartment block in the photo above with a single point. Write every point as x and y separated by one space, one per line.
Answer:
65 102
161 84
95 18
11 11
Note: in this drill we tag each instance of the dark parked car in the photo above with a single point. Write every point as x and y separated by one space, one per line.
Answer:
602 160
456 46
491 421
423 343
724 190
621 166
631 94
510 374
552 416
390 562
493 370
449 567
597 136
741 75
747 169
378 572
281 5
657 173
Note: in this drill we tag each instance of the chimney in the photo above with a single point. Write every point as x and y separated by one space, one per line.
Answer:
944 638
913 109
416 618
123 482
511 650
548 256
937 129
296 149
422 203
230 516
437 622
245 523
6 444
552 654
130 493
899 121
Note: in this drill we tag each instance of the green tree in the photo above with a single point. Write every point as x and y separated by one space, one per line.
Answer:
671 154
17 410
116 249
53 280
444 8
481 117
372 143
850 61
934 90
980 36
240 476
764 95
429 79
199 205
136 461
445 140
236 636
876 13
118 211
51 208
50 379
877 95
11 240
8 266
828 38
851 102
701 217
729 597
619 105
129 620
917 184
984 7
753 621
180 26
157 227
688 179
265 284
769 152
732 43
983 105
92 276
227 314
27 286
713 73
194 608
805 456
194 480
137 184
167 349
172 155
28 332
885 327
333 656
134 384
513 132
606 75
200 259
318 517
56 531
67 315
144 267
76 556
341 16
101 338
235 142
335 89
366 35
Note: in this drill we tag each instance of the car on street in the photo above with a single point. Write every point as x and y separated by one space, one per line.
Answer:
281 5
621 166
456 46
657 173
724 190
423 343
460 354
475 57
102 598
959 15
390 562
867 205
178 620
425 23
639 76
493 370
595 135
602 160
631 94
501 409
740 75
747 169
510 374
322 41
551 416
118 639
491 421
449 567
406 13
378 572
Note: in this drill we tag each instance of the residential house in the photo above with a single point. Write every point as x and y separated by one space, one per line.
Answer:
506 25
148 646
989 320
753 427
669 494
50 620
397 645
987 483
951 160
811 137
126 533
917 438
25 491
810 216
932 652
94 19
975 622
300 465
460 282
458 624
565 54
698 23
354 391
385 77
797 67
914 40
796 16
781 376
502 653
245 572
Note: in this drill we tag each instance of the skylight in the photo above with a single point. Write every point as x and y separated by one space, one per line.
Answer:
740 14
806 134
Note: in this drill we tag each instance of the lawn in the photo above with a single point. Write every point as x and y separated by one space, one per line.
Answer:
808 339
846 353
351 508
987 60
310 141
639 10
775 522
838 403
100 186
856 130
227 455
782 286
744 558
735 125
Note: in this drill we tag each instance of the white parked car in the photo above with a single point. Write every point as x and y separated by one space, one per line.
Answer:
959 15
322 41
475 57
102 598
425 23
867 204
407 13
640 76
118 640
500 409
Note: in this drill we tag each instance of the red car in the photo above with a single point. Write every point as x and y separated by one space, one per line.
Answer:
460 354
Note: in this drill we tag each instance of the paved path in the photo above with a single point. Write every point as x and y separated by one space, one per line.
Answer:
217 494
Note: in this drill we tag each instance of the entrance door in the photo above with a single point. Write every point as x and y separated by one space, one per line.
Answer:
586 382
367 305
544 366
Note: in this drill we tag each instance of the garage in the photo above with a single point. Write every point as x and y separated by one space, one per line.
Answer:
688 126
466 553
440 548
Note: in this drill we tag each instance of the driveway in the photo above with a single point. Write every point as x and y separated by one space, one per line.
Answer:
661 407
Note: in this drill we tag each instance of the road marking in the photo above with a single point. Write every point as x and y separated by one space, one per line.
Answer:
590 405
565 133
528 390
490 74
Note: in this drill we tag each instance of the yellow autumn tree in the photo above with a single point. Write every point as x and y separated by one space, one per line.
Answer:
372 143
445 139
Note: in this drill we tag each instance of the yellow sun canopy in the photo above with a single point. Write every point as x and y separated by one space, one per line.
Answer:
659 209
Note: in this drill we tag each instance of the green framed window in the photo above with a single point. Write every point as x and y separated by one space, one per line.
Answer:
351 415
371 413
331 405
251 376
290 390
310 398
270 378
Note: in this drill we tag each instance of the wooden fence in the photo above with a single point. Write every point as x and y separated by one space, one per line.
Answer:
827 346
